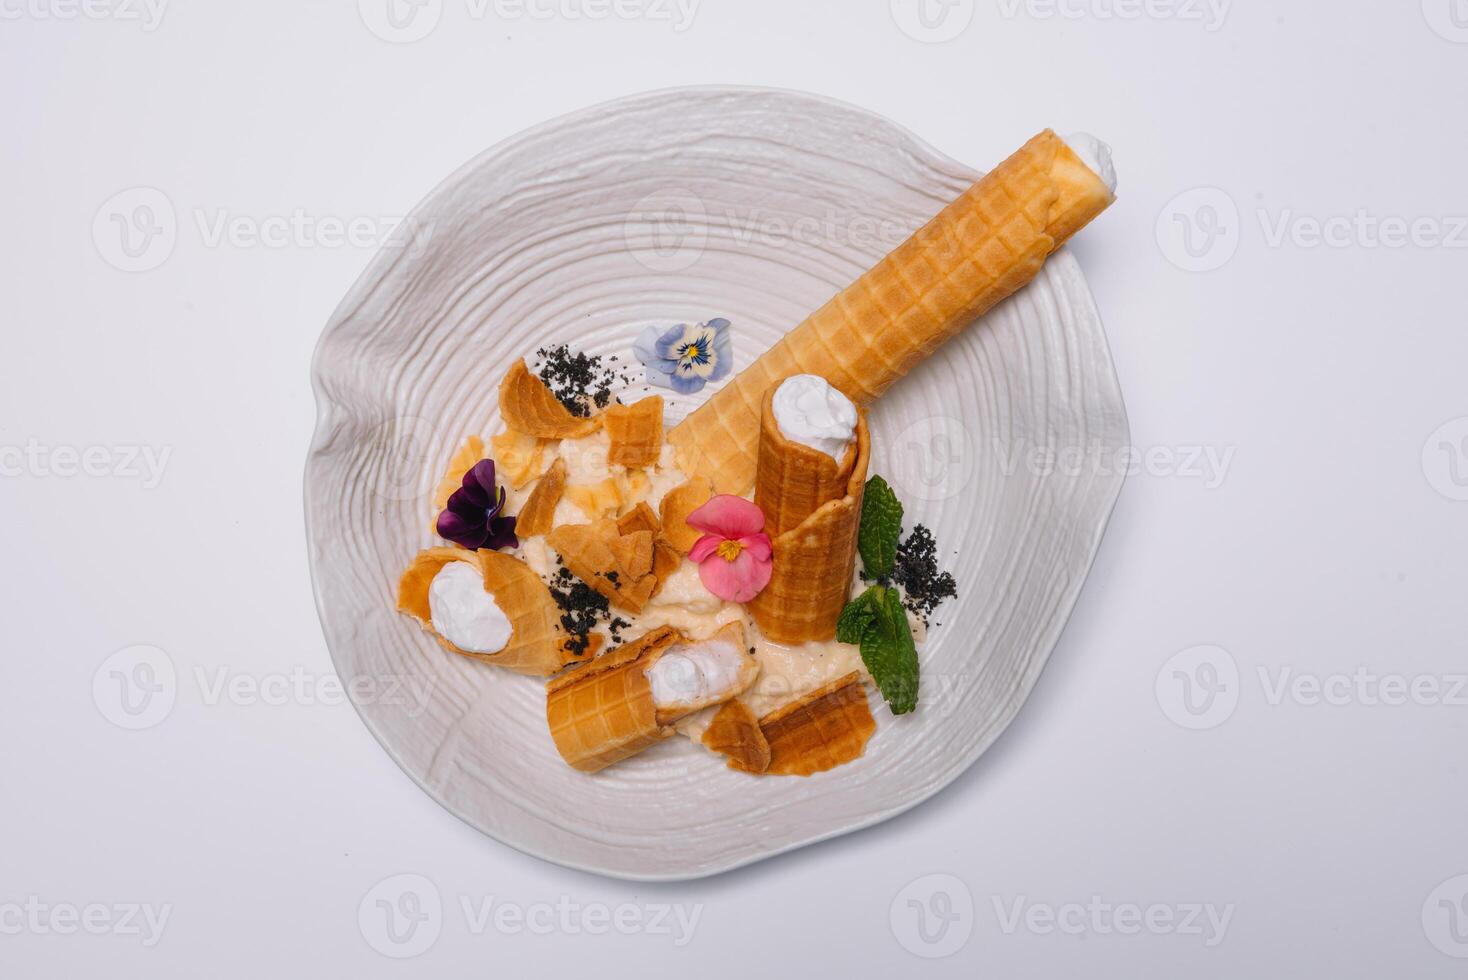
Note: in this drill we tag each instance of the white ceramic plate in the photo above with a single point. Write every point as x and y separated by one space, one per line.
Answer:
754 205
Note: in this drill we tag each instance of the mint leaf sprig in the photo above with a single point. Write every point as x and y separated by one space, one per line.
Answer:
876 620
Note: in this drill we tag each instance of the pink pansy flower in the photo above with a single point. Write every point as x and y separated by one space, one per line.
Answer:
733 555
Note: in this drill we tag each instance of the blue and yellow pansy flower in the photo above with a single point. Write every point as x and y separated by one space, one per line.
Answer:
686 357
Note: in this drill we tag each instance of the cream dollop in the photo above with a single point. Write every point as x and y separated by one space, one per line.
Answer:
1095 154
810 411
464 613
693 675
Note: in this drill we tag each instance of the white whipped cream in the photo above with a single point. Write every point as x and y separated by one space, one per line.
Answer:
810 411
464 613
1094 154
694 675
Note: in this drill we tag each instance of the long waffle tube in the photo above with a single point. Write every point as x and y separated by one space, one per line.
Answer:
979 250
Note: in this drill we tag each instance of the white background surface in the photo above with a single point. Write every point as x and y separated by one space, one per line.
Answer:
1330 542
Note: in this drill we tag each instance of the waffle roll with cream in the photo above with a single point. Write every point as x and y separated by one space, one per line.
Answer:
624 702
812 464
976 252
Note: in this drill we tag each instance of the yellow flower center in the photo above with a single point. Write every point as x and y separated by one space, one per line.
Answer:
729 550
692 352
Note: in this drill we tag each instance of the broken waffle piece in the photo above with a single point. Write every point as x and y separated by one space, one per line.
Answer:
636 432
639 518
677 504
538 514
735 732
628 569
822 730
530 408
518 458
595 500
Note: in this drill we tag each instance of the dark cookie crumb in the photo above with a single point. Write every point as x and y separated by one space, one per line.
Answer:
582 607
579 381
916 570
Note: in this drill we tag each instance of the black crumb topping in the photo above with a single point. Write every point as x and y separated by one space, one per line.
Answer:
916 570
582 607
579 381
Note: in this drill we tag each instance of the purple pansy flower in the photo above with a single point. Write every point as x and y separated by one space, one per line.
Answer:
472 518
686 357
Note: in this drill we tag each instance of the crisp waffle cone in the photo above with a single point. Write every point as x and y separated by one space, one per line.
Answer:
978 250
530 408
538 514
734 731
537 645
810 580
635 431
604 712
792 480
822 730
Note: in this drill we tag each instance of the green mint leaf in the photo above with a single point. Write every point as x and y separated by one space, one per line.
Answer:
888 651
859 613
881 526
